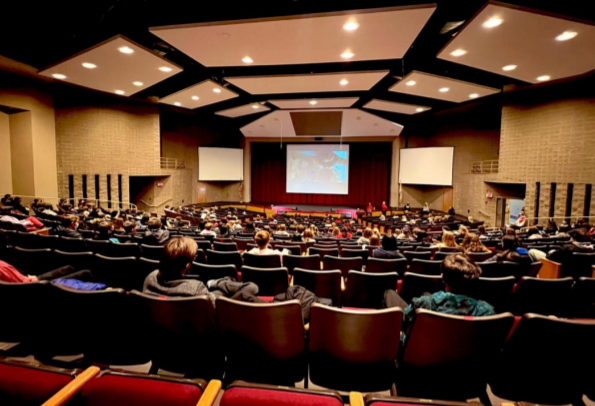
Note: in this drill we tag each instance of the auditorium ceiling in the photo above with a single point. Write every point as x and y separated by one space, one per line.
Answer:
370 66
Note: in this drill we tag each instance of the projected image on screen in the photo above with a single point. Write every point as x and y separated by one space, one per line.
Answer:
319 169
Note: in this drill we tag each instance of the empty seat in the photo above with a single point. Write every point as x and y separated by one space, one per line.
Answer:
351 350
356 252
30 384
379 265
324 284
480 256
292 249
547 361
442 348
203 245
124 389
225 246
115 250
343 264
311 262
415 285
117 272
411 255
323 252
366 290
242 243
31 261
581 266
500 270
425 267
47 241
206 272
225 258
262 261
583 298
542 296
98 247
78 260
153 252
263 343
244 394
270 281
183 335
66 244
495 291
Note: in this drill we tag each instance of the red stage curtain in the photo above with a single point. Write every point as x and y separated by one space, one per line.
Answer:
369 177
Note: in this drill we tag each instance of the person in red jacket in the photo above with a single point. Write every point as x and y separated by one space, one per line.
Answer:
370 209
384 208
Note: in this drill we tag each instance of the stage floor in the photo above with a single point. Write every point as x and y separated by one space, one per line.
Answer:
306 207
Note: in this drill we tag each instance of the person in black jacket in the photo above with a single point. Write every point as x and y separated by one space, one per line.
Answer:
17 204
388 249
155 235
69 231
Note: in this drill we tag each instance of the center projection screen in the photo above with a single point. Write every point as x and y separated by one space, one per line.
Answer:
318 169
426 166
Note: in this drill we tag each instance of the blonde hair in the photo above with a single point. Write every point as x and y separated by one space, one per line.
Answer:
282 227
336 231
367 232
178 253
448 239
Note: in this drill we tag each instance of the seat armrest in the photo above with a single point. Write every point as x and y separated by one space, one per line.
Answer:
356 399
210 395
550 269
74 387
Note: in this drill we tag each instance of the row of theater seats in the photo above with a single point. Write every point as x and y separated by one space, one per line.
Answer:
535 359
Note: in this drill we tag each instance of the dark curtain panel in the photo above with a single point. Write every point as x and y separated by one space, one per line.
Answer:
369 177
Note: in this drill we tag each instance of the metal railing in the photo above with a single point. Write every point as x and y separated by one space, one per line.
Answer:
172 163
116 204
156 205
481 167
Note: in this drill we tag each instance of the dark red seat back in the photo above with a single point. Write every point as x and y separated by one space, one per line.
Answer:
270 281
248 394
542 296
426 267
343 264
324 284
379 265
262 261
311 262
415 285
366 290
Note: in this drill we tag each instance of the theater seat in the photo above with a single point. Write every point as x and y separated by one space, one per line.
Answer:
262 261
119 389
366 290
31 384
249 394
311 262
270 281
324 284
379 265
356 399
205 272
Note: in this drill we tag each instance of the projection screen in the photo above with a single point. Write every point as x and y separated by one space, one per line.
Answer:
426 166
220 164
318 169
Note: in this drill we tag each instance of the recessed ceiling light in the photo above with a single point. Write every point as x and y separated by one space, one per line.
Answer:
59 76
347 54
313 102
473 96
165 69
177 104
247 59
444 90
544 78
458 52
195 98
566 35
120 92
217 90
508 68
419 110
411 83
139 84
255 106
493 22
351 26
344 82
89 65
126 50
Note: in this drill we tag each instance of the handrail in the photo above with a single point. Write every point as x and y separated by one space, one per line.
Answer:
156 205
481 167
74 387
172 163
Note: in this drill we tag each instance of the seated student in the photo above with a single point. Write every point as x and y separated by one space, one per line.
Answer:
481 231
249 229
177 258
448 241
262 239
104 231
6 200
520 223
406 234
581 243
129 228
308 236
71 230
282 230
466 242
17 205
155 235
9 274
345 233
388 250
534 234
374 241
512 251
463 231
223 229
365 239
459 274
208 230
552 227
298 236
118 225
475 245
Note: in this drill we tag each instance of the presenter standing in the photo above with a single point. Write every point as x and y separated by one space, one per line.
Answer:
384 208
370 209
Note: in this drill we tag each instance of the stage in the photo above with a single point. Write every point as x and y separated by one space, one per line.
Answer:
317 210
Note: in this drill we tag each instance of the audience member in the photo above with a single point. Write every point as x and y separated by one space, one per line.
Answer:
580 243
9 274
104 231
71 230
388 250
475 245
155 235
208 230
365 238
448 241
262 239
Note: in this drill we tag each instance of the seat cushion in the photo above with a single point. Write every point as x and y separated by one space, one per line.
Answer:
270 397
115 390
29 386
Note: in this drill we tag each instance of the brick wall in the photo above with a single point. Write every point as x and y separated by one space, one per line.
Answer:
548 133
